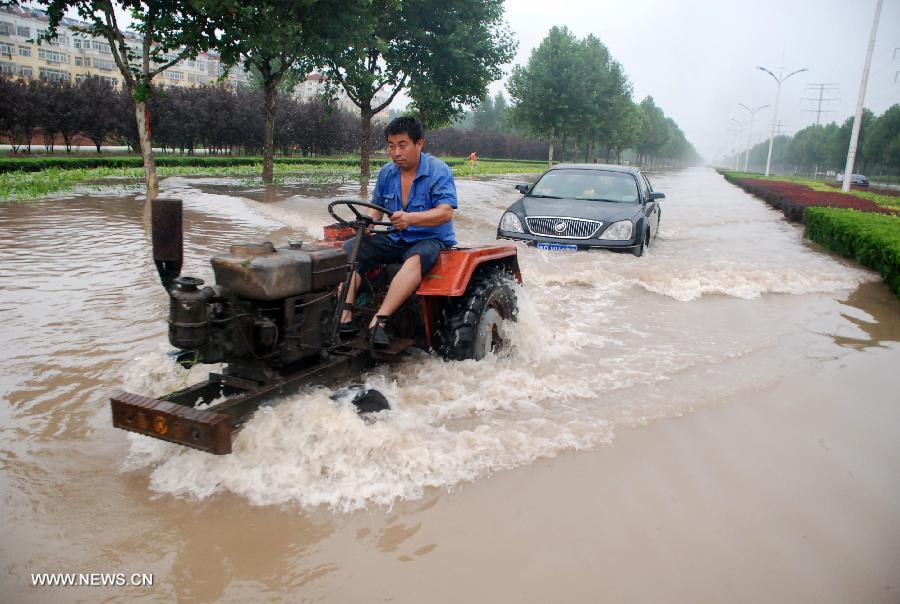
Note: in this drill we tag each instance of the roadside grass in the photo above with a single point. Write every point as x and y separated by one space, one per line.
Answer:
872 240
31 185
23 185
486 167
885 200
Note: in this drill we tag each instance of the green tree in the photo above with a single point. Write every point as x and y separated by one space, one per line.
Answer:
275 41
484 117
882 144
843 141
834 150
606 114
807 148
546 92
625 130
654 133
171 30
443 53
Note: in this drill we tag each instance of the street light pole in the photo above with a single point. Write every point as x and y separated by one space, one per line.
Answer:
775 111
750 132
735 152
857 120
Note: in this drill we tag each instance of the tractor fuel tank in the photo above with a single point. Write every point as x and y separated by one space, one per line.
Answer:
263 272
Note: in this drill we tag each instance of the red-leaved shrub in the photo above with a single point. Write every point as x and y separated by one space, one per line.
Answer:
791 198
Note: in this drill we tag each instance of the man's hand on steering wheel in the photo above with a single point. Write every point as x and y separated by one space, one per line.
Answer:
400 220
370 222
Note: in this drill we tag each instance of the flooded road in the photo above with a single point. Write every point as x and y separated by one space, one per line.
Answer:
729 305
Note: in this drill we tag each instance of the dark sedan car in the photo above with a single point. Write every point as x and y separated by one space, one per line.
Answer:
857 180
580 206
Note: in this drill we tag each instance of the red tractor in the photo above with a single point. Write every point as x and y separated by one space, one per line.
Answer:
272 319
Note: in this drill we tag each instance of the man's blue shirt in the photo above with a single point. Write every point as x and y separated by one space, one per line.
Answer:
432 186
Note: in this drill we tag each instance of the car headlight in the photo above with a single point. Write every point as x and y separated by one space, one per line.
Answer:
619 231
510 222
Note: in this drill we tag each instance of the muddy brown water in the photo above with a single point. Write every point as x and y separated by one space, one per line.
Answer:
729 305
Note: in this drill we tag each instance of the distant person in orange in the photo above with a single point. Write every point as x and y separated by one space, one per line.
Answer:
473 159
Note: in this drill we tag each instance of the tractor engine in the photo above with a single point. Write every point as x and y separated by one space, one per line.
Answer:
270 307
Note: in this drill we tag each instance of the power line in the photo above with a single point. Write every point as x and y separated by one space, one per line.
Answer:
823 88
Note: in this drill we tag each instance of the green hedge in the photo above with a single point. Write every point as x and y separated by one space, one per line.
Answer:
36 164
872 240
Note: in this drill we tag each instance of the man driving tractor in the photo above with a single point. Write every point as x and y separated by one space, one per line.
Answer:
418 193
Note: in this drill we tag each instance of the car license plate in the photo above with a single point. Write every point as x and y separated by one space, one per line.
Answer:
555 246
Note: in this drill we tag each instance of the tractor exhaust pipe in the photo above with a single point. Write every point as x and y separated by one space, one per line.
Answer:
168 239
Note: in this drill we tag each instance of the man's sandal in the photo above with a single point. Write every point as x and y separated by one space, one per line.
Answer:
378 335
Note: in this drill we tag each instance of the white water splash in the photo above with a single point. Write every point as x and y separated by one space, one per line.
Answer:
603 340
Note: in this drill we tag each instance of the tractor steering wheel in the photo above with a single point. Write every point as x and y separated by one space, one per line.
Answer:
360 217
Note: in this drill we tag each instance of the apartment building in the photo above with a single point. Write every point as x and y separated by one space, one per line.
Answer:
72 56
314 86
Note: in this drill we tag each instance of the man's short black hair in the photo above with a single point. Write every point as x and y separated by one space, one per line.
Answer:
405 124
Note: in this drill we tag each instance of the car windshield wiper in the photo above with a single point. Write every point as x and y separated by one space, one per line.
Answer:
546 196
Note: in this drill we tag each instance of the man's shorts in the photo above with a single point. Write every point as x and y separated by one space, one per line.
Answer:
380 249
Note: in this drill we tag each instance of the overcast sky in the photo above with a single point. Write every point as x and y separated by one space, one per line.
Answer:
698 58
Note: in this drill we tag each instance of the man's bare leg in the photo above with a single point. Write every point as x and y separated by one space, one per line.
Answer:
402 287
346 315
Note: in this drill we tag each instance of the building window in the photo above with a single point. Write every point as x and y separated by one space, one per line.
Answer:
175 75
24 51
25 71
24 32
79 62
7 68
5 28
104 65
53 56
53 74
52 41
6 49
102 47
111 81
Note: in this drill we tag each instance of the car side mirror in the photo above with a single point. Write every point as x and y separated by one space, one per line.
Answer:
522 189
654 195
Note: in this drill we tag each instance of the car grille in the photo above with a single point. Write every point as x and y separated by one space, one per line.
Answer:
575 228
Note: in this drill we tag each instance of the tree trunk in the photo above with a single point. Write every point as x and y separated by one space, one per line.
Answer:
143 127
271 90
365 151
550 155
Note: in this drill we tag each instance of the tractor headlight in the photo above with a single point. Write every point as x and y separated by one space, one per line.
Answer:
511 223
619 231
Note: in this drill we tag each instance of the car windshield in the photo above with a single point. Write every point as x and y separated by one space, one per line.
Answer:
591 185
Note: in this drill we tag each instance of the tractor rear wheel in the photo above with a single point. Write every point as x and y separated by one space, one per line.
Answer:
471 324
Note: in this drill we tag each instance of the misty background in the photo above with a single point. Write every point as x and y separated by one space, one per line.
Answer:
698 58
